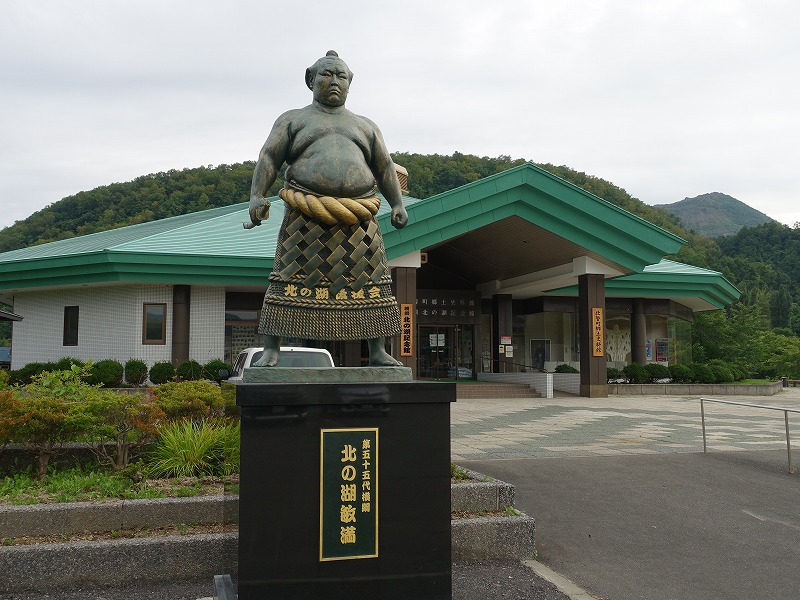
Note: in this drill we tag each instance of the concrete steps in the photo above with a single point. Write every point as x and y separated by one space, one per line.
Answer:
479 389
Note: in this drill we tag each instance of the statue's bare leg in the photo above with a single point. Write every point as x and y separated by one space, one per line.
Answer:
378 357
272 349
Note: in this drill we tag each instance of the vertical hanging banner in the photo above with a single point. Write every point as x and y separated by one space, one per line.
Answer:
598 326
407 330
348 525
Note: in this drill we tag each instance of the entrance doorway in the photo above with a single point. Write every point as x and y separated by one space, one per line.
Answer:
445 352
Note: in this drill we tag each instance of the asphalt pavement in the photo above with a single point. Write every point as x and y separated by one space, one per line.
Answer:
631 507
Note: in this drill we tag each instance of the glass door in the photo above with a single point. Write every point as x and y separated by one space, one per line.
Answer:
445 352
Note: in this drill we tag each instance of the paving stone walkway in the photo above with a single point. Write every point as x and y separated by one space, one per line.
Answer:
492 429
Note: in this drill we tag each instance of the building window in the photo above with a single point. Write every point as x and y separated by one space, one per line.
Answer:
154 324
70 326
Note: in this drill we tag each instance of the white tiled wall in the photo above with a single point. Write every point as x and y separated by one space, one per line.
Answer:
110 324
207 334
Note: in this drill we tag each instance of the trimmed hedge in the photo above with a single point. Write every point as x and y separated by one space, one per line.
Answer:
135 372
162 372
190 370
107 373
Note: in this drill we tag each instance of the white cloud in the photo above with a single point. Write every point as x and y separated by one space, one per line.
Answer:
667 100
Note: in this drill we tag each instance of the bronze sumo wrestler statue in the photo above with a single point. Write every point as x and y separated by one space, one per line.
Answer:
330 280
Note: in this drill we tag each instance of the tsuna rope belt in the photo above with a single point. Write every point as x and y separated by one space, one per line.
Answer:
330 210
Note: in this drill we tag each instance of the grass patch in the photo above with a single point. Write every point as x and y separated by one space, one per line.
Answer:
72 485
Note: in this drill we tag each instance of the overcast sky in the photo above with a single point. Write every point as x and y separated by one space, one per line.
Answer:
666 99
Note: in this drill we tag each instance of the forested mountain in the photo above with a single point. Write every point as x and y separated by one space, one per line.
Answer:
177 192
759 333
715 214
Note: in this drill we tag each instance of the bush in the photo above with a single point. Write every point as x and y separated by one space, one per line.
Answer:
228 391
720 368
122 421
565 368
680 373
135 372
636 373
656 372
213 367
66 364
191 370
4 379
195 449
54 409
26 374
194 400
701 373
721 373
162 372
613 374
11 416
107 373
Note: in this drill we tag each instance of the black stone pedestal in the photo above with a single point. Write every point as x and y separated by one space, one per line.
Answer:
290 512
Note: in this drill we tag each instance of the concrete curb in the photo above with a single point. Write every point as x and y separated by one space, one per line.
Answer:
46 567
481 494
494 538
564 585
78 517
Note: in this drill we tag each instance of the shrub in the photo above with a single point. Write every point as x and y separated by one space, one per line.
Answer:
191 370
66 363
4 379
212 369
26 374
194 449
107 373
680 373
135 372
565 368
194 400
162 372
701 373
228 391
613 374
657 371
721 368
11 416
54 407
721 373
123 421
636 373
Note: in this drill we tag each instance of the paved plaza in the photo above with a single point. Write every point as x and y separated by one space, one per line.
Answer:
573 426
626 504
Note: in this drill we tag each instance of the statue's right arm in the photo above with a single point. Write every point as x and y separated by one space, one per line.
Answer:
272 156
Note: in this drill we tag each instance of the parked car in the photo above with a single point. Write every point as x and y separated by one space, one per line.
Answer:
290 356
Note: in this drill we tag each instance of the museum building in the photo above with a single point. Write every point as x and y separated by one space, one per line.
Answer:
518 272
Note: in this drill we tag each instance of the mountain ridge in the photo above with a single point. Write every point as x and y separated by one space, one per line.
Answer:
715 214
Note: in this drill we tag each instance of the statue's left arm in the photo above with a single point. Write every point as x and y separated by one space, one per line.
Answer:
386 177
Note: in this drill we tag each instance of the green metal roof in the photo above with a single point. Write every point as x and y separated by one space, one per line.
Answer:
212 247
698 288
542 198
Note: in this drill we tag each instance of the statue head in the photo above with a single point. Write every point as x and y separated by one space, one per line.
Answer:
329 79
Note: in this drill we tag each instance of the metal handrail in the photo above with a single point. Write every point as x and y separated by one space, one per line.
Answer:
785 410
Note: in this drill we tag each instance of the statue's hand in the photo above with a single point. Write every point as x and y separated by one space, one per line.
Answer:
399 217
259 210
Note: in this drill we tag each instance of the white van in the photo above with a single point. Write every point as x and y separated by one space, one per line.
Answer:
290 356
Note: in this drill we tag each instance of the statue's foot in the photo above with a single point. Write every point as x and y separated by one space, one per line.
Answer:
272 349
269 358
378 357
